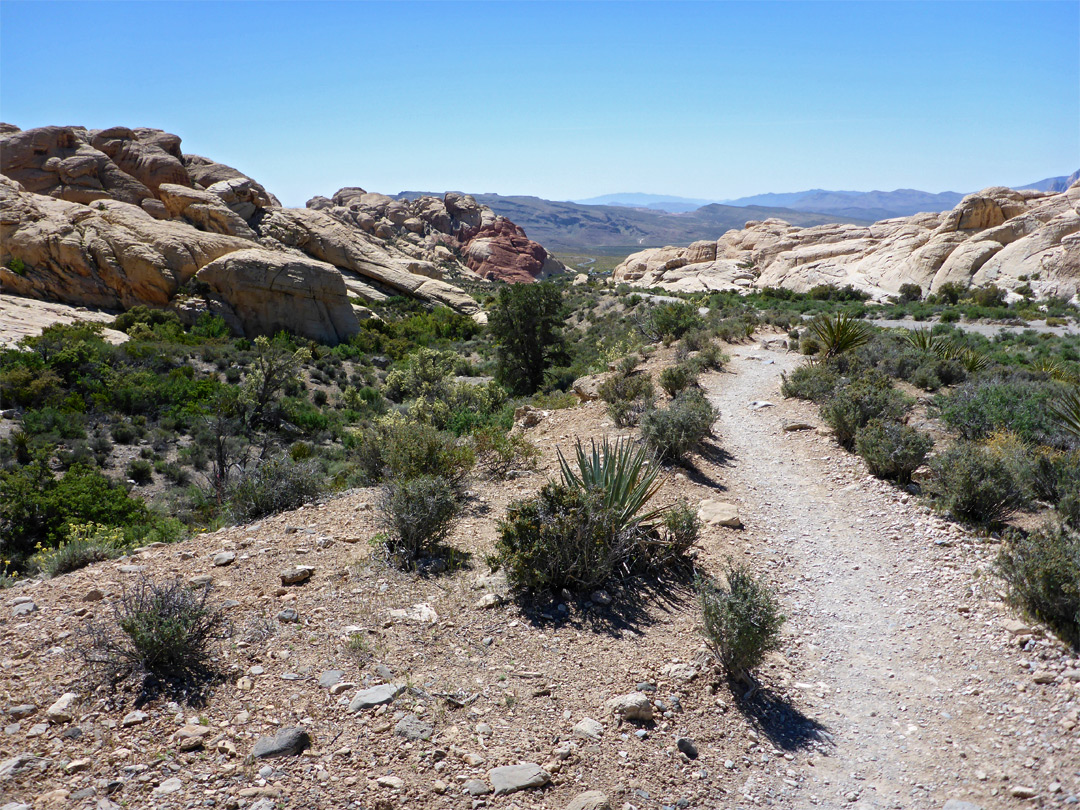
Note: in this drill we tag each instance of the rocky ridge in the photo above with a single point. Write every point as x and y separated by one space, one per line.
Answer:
119 217
996 236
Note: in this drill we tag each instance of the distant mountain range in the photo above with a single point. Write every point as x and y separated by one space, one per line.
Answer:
624 223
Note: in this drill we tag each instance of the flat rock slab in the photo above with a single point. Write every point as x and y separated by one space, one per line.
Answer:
719 513
24 609
375 696
224 558
511 778
287 742
330 678
417 614
296 576
589 800
412 727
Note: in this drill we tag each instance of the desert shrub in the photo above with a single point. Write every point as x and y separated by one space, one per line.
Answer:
815 383
710 356
670 320
499 452
1042 570
140 471
85 543
628 396
852 406
694 341
164 634
683 526
273 485
950 292
742 619
970 483
989 295
426 375
591 527
677 378
396 448
124 433
809 346
910 292
674 431
418 514
892 450
1022 406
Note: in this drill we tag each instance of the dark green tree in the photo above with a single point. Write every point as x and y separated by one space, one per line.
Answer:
525 326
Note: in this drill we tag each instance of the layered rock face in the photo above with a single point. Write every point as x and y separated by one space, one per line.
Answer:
434 230
995 236
119 217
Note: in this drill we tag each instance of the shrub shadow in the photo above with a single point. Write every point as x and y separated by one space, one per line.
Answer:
778 718
711 455
636 604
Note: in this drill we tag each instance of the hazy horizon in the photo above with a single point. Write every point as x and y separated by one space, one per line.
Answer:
569 101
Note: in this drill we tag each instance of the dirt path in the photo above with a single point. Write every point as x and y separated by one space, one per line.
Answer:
898 646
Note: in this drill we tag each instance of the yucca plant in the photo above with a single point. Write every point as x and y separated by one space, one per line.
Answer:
621 472
838 334
1067 411
924 340
1056 370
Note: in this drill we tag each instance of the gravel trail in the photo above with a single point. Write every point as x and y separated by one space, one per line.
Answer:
897 640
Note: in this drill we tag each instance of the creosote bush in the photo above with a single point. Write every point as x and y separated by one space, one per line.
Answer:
628 396
162 633
892 450
1042 570
274 485
674 431
418 515
812 382
742 619
677 378
852 407
971 483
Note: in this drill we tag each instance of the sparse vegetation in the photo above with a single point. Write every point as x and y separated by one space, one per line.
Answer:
418 514
1042 570
674 431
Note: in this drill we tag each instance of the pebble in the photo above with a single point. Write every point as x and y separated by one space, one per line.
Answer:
296 576
412 727
375 696
286 742
634 707
1023 792
21 711
330 678
224 558
134 719
589 800
173 785
687 746
511 778
589 729
393 782
24 609
474 787
62 710
93 595
288 616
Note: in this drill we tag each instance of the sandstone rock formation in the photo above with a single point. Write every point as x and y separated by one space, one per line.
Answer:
996 236
119 217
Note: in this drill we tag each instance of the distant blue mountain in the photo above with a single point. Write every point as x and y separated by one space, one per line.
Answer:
1054 183
653 202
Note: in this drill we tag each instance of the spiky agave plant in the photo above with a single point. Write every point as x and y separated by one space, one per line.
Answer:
1067 411
619 471
923 340
838 334
1056 370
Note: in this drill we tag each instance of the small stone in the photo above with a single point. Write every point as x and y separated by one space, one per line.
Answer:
77 765
201 581
24 609
93 595
601 597
384 672
288 616
169 786
634 706
1023 792
511 778
758 404
484 730
589 800
679 672
792 427
62 710
38 729
472 759
412 727
719 513
245 684
1043 676
134 719
330 678
474 787
687 746
488 600
22 711
297 575
224 558
392 782
131 569
1016 628
589 729
344 686
286 742
375 696
439 786
417 614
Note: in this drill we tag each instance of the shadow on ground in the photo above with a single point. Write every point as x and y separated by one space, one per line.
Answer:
711 456
777 717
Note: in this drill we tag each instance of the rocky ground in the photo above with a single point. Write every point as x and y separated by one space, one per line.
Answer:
903 682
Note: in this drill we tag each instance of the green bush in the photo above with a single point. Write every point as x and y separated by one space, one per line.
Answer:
892 450
815 383
683 526
526 326
988 296
124 433
677 378
273 485
418 515
628 396
499 452
670 320
1017 404
396 448
970 483
709 357
910 292
742 619
140 471
852 406
164 634
674 431
1042 570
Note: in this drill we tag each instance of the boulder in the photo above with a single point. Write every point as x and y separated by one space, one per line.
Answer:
719 513
634 707
271 291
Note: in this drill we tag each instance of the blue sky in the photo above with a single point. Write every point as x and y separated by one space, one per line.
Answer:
568 100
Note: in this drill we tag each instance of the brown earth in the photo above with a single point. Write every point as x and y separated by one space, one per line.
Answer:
901 683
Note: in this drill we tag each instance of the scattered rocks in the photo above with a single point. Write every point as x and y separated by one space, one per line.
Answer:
719 513
375 696
512 778
297 575
634 707
287 742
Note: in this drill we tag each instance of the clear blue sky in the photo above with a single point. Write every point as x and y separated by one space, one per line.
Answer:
711 100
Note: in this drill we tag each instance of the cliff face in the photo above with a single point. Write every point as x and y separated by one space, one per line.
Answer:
118 217
996 236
